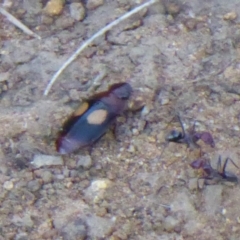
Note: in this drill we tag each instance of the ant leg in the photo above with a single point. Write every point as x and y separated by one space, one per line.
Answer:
219 164
227 176
225 164
193 127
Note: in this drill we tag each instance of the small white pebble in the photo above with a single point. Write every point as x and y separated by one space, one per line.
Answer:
40 160
135 131
236 128
100 184
7 3
224 211
178 154
145 111
230 16
8 185
164 101
211 121
131 149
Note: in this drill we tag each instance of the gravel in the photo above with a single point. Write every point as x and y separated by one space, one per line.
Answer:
41 160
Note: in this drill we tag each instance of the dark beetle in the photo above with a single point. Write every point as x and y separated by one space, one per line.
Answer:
92 119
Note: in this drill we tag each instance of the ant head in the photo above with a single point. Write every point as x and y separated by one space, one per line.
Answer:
174 136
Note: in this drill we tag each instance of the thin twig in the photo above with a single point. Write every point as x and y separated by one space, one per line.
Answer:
18 24
90 40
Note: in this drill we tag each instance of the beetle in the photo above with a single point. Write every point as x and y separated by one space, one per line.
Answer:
93 118
215 176
191 137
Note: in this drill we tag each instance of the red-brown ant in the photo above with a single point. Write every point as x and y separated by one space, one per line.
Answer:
215 176
191 138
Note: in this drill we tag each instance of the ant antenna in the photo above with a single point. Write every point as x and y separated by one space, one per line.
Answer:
225 163
183 130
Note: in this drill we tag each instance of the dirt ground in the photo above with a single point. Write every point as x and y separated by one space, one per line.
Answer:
181 57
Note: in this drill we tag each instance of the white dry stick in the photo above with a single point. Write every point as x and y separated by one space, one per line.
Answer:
90 40
18 24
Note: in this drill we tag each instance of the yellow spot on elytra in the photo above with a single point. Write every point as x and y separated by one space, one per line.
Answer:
97 117
82 109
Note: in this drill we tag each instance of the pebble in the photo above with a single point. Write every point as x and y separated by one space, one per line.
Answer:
92 4
170 223
84 162
47 20
74 94
135 131
22 221
145 111
74 230
28 197
7 3
77 11
191 23
230 16
236 128
8 185
73 173
97 188
193 183
64 22
172 8
100 184
4 76
21 236
40 160
34 185
131 149
99 227
165 101
54 7
47 177
224 211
